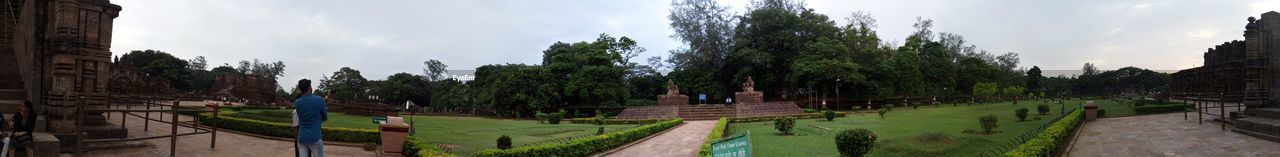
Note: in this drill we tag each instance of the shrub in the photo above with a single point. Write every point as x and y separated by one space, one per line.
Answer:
1022 113
914 105
716 133
554 117
542 117
1102 113
584 146
285 130
855 142
830 115
988 123
1043 109
809 110
612 121
1153 109
882 112
784 125
770 118
504 142
414 146
1046 142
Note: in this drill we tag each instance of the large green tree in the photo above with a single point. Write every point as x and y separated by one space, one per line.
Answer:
347 85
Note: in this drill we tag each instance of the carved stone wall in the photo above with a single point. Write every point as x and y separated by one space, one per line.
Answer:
255 90
1241 70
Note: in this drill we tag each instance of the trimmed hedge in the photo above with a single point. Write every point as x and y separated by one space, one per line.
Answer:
1153 109
1045 143
584 146
285 130
794 116
613 121
414 146
716 134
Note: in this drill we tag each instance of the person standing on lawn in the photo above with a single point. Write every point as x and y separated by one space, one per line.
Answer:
312 112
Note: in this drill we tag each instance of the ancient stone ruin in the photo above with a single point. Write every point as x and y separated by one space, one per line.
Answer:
128 80
1240 71
674 105
251 89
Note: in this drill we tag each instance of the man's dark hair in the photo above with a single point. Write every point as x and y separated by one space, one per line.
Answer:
304 86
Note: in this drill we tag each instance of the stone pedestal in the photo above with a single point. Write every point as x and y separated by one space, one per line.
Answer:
44 145
1090 111
393 134
749 97
673 100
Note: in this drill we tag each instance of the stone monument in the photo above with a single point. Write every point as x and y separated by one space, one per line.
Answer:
749 93
673 96
1245 71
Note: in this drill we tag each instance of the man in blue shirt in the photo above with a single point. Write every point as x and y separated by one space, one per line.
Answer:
311 113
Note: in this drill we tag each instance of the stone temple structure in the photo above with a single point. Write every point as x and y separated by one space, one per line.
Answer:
57 53
675 105
253 89
1242 70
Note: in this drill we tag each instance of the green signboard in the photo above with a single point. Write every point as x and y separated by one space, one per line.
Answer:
738 145
379 119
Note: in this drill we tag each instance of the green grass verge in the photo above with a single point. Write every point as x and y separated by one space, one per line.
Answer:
927 131
716 134
584 146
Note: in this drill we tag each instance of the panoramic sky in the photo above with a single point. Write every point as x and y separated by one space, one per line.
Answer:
380 38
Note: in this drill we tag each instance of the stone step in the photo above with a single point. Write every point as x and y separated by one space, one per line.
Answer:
1273 113
1264 128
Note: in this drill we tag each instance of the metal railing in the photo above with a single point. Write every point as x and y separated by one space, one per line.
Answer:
125 109
1205 101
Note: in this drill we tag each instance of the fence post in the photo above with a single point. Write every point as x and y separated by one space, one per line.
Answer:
146 118
1222 111
173 136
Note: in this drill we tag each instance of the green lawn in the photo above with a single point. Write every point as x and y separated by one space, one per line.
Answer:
1114 108
468 135
928 131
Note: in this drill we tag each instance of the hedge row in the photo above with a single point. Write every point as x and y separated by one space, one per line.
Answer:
1153 109
716 133
414 146
584 146
1045 143
794 116
285 130
613 121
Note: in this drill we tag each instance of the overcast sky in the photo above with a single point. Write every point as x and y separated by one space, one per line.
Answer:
380 38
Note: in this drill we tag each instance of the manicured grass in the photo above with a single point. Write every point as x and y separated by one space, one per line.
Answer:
928 131
467 135
1114 108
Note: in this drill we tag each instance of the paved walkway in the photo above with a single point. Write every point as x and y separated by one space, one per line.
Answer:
229 144
1166 135
685 140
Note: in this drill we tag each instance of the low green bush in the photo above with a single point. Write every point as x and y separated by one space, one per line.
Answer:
988 123
1045 143
542 117
584 146
284 130
1021 112
784 125
769 118
504 142
1043 109
554 117
855 142
809 110
613 121
1102 113
830 115
716 133
1153 109
882 112
414 146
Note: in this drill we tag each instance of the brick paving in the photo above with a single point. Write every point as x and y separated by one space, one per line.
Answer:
1166 135
229 144
685 140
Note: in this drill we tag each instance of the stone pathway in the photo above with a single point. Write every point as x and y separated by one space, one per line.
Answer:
685 140
229 144
1166 135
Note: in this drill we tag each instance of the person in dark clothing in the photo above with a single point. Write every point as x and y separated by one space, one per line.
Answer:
22 124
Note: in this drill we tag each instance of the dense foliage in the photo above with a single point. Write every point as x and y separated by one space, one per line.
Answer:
716 134
1047 142
504 142
988 123
784 125
418 147
855 142
584 146
1021 112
